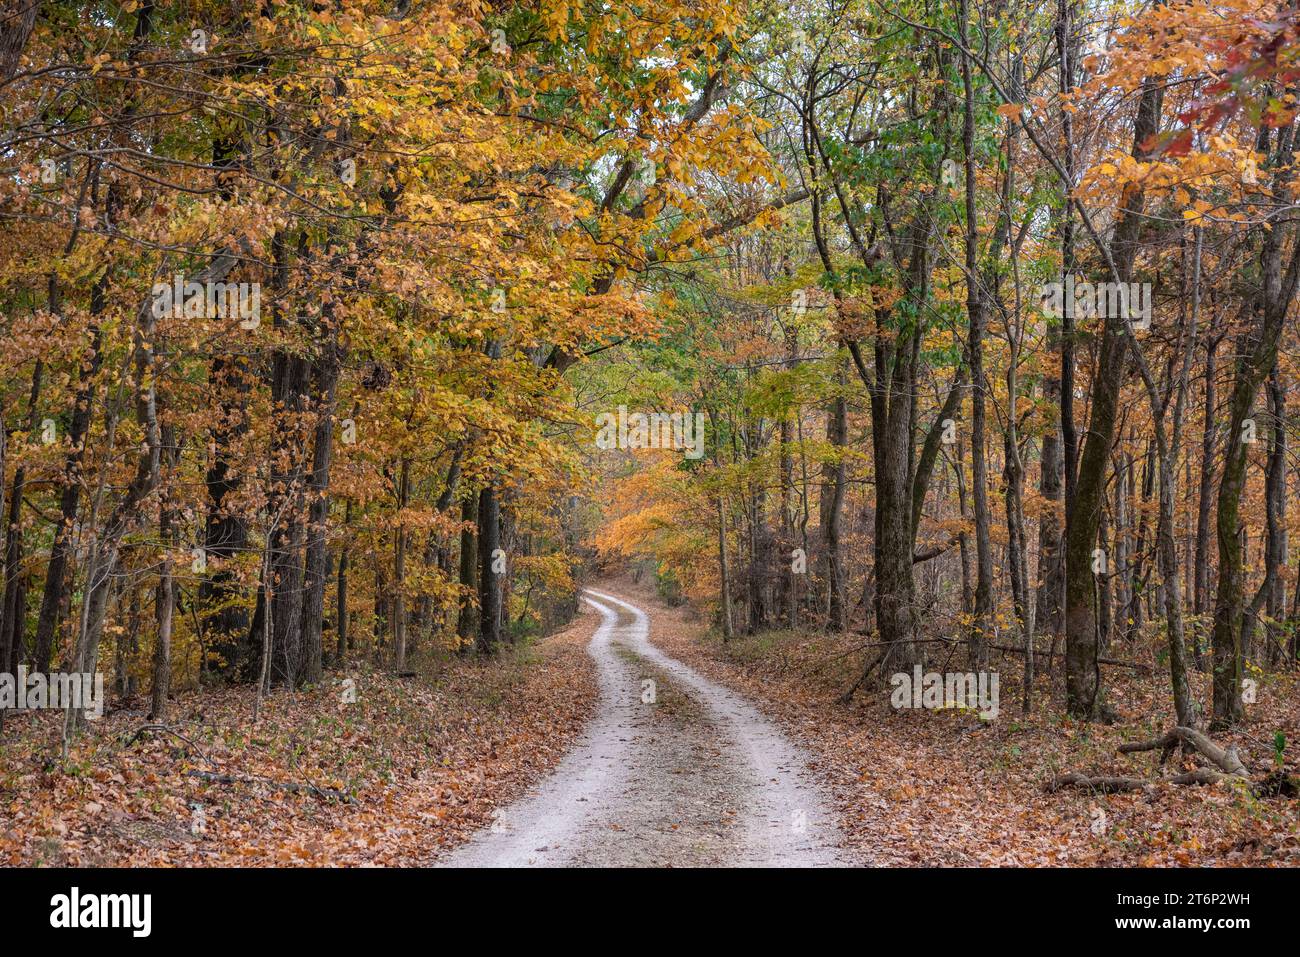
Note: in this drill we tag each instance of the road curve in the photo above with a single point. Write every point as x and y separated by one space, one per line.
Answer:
709 782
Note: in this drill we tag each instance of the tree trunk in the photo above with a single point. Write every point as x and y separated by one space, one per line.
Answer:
724 571
224 622
1166 545
489 581
467 625
981 626
1256 358
832 505
1204 508
399 567
69 499
316 561
17 19
165 600
1083 516
788 578
1275 510
1051 570
341 597
289 387
13 611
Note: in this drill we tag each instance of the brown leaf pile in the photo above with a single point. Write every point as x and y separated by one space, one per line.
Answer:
411 768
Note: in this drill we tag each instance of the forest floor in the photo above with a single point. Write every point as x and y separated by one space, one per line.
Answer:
945 788
413 765
552 754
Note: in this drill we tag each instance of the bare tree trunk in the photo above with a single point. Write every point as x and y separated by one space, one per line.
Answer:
831 506
17 19
466 625
268 629
1083 516
1257 357
760 557
1017 537
1205 507
724 570
15 590
1275 512
1105 592
1067 53
1022 595
399 567
1051 570
489 580
441 544
289 387
69 501
4 629
165 601
1140 593
316 559
963 539
788 578
341 596
225 623
981 627
1167 554
1126 585
895 588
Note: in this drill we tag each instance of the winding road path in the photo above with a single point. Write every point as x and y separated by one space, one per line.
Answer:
681 772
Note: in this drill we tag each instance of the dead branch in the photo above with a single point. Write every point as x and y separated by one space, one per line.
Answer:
1228 768
164 728
292 786
1102 784
1224 759
848 695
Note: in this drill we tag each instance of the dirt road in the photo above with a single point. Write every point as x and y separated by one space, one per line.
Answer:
673 770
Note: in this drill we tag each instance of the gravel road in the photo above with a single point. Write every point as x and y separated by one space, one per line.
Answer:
678 773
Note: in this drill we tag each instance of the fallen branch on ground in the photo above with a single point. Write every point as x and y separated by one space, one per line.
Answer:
1103 784
1225 759
165 729
848 695
292 786
228 779
1228 767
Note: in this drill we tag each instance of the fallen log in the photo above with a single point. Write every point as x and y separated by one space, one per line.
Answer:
1228 768
1108 784
1226 759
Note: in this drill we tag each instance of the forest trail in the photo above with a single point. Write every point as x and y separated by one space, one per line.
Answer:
696 777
